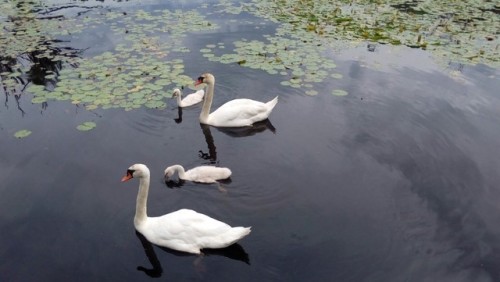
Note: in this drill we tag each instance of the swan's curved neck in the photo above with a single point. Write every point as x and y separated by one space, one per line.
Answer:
179 99
180 170
207 103
142 199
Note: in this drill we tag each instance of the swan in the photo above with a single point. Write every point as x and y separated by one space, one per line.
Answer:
202 174
183 230
190 99
235 113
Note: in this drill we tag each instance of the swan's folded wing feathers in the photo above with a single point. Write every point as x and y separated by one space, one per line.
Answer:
207 174
191 99
189 231
240 112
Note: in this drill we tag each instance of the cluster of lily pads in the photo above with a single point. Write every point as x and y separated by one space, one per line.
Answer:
27 39
24 32
459 31
301 63
137 72
147 58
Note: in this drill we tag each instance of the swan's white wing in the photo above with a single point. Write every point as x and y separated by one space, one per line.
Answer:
193 98
207 174
200 93
239 112
185 230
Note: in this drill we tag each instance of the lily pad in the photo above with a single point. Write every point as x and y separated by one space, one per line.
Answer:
458 31
39 100
337 75
22 133
86 126
138 63
339 92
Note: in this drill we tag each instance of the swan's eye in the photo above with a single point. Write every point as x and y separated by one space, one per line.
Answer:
200 79
130 172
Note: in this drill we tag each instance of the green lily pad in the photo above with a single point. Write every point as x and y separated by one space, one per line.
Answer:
339 92
38 100
459 31
86 126
22 133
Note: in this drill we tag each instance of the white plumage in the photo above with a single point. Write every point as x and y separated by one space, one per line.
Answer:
183 230
203 174
235 113
190 99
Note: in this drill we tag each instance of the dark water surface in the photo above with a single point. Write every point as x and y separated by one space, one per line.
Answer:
397 181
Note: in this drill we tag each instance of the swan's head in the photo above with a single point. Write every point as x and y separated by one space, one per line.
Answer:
177 92
169 171
206 78
136 171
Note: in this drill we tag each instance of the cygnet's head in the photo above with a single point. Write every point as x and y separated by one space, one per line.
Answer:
169 171
177 92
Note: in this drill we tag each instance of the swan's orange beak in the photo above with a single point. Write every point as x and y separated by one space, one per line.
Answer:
198 81
127 177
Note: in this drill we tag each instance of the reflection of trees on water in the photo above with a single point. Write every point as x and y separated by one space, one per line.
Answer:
50 10
38 66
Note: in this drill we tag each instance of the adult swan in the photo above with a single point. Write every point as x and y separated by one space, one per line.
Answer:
183 230
235 113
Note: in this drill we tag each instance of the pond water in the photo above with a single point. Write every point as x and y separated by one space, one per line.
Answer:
395 181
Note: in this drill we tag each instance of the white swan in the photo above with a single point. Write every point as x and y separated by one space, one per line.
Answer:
235 113
183 230
202 174
190 99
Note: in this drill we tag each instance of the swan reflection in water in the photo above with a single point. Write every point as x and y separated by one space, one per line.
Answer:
235 251
245 131
211 155
179 115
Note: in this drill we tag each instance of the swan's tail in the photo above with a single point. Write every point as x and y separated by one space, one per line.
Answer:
236 233
272 103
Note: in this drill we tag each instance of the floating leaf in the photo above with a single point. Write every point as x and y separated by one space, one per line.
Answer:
162 82
312 92
38 100
460 31
339 92
22 133
86 126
